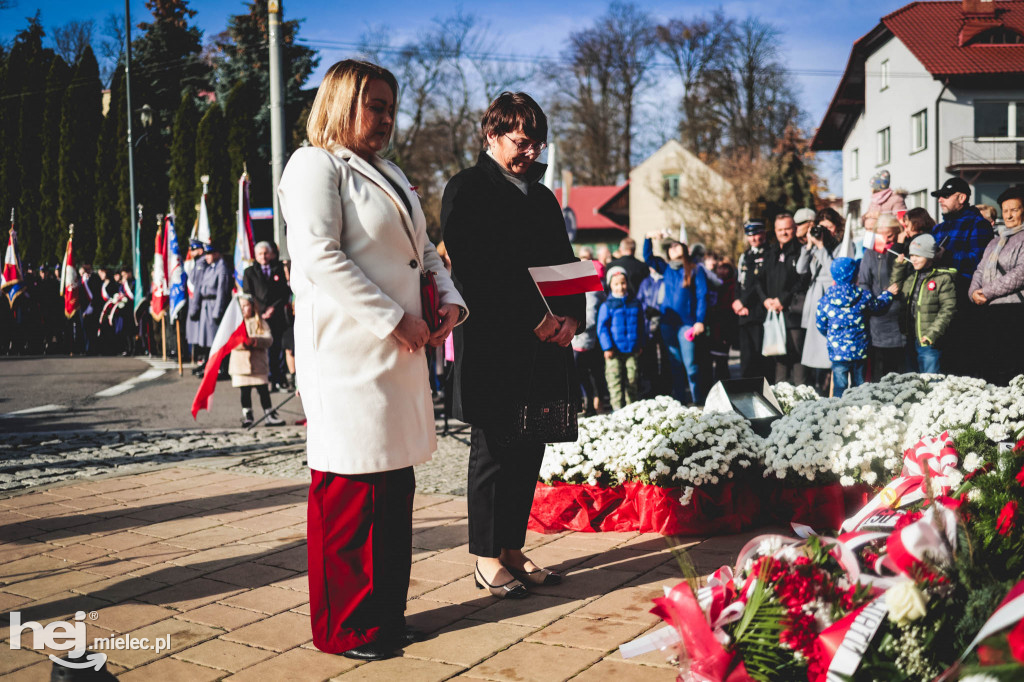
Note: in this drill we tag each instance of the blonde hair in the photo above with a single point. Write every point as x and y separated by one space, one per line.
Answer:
335 112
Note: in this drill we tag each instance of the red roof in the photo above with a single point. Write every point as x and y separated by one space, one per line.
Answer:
587 202
941 36
932 32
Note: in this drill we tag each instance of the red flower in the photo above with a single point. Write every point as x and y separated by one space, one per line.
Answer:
1004 524
906 519
931 285
1020 476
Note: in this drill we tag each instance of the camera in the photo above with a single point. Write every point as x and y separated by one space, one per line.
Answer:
818 231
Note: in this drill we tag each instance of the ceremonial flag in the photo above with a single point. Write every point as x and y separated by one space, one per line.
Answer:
568 279
230 334
201 230
175 271
11 280
158 277
138 295
70 283
244 251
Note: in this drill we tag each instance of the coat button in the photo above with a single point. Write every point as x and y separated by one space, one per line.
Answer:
412 264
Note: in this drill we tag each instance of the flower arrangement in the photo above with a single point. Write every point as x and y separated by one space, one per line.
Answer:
789 395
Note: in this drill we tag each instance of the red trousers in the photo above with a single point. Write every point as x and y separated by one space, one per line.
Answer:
359 540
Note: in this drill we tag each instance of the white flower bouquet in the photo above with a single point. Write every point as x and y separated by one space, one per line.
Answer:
789 395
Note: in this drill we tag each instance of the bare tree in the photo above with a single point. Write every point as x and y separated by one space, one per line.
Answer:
72 38
111 45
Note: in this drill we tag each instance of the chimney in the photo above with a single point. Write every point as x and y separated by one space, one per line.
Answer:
979 16
983 7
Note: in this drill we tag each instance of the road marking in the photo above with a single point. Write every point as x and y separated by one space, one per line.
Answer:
126 386
165 364
35 410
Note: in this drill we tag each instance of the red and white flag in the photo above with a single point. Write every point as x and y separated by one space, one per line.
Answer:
158 279
70 282
230 334
11 280
565 280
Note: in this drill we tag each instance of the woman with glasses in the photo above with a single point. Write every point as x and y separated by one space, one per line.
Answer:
499 220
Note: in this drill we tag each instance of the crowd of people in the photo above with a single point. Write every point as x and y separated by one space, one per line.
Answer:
913 295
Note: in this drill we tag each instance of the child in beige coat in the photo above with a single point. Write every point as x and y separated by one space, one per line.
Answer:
249 365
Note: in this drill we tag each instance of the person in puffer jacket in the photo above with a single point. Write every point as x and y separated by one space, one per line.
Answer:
841 320
622 330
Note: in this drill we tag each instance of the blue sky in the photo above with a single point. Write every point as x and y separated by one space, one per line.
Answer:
816 34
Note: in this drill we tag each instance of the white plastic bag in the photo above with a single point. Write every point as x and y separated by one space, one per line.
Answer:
774 335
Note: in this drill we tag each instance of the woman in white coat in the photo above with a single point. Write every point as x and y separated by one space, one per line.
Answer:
358 242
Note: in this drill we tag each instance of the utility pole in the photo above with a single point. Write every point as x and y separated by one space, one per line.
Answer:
276 121
131 146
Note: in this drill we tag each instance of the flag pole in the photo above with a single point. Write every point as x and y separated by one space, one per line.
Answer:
542 296
163 334
177 331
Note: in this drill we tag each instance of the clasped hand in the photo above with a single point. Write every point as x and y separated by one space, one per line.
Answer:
556 329
412 333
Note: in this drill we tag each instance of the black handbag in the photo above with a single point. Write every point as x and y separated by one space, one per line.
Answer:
549 421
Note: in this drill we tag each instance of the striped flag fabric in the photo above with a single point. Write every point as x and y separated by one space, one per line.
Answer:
230 334
175 269
158 297
70 282
566 280
245 252
11 281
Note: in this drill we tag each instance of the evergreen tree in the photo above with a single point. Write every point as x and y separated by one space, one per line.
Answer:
791 175
184 184
239 112
29 147
79 132
212 159
49 184
108 220
242 56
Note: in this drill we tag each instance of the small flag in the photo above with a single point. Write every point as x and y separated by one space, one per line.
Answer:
568 279
158 277
137 295
11 280
70 283
201 230
244 251
230 334
175 271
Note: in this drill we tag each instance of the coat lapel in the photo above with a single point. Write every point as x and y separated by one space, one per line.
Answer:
376 176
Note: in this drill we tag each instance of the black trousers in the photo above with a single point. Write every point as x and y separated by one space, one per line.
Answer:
590 368
788 367
499 494
752 363
886 360
263 390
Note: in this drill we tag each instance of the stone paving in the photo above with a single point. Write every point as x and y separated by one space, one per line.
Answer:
216 560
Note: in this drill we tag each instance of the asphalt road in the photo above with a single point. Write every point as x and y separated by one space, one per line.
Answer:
54 393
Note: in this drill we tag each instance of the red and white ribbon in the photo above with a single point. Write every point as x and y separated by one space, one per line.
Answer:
1009 611
842 646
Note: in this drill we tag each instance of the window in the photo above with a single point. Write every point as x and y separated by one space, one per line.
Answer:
999 119
854 164
918 199
919 131
671 186
882 153
885 74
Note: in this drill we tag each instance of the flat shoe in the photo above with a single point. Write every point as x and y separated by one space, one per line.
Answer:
513 589
540 576
371 651
411 635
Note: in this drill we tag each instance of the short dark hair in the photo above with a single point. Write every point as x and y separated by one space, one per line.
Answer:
919 219
830 214
513 111
1015 192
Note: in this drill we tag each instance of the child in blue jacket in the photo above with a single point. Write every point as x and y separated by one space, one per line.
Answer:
622 330
841 320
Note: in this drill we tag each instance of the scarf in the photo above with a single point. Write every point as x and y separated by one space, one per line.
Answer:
991 267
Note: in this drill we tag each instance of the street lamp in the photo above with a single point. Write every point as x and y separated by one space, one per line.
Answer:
146 118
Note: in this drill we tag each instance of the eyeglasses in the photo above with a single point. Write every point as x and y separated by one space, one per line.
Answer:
523 146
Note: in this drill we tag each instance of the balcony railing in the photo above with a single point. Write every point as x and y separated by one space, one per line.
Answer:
968 151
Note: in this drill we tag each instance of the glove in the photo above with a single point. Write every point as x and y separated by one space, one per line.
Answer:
194 316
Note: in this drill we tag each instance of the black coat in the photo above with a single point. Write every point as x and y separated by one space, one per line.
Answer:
268 291
493 233
779 279
874 275
748 293
636 272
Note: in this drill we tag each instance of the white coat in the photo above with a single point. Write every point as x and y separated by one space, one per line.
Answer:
367 399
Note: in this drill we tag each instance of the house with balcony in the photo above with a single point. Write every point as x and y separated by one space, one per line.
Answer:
935 89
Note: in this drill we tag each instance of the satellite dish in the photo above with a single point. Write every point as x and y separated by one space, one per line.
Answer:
570 222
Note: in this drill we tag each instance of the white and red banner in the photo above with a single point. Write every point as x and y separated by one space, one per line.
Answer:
1009 612
158 292
11 281
245 252
565 280
70 282
843 644
230 334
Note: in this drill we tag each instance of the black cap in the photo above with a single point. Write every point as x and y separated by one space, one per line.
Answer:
754 227
951 187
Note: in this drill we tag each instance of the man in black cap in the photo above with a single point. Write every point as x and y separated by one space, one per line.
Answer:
961 237
748 305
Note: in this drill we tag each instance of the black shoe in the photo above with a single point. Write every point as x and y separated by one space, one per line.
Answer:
373 651
411 635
